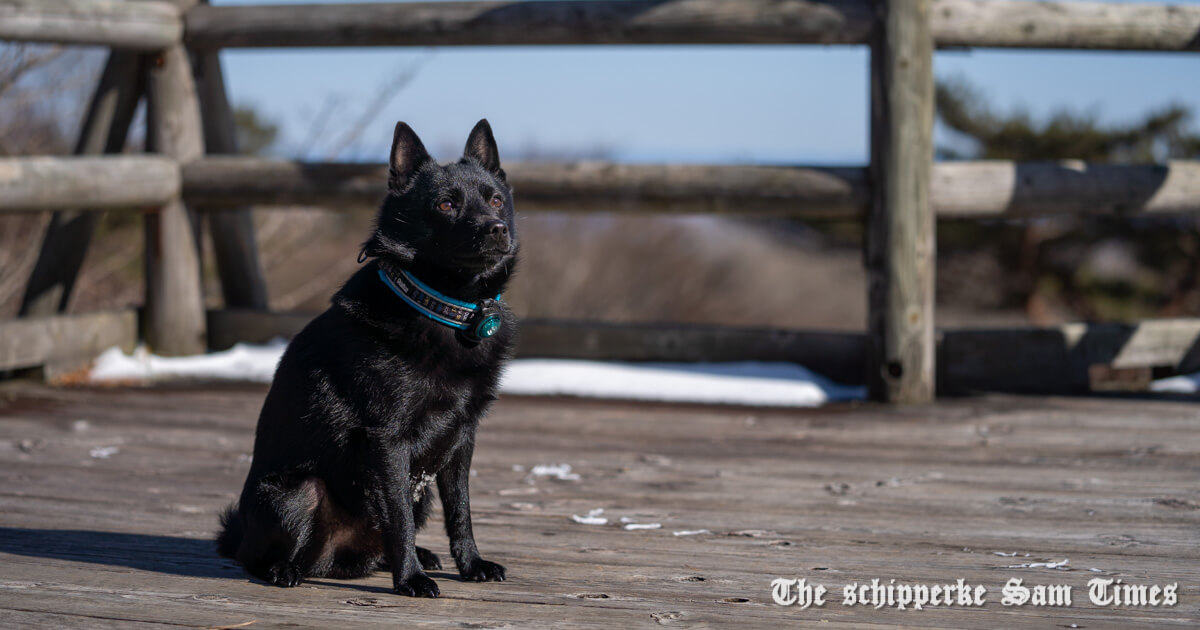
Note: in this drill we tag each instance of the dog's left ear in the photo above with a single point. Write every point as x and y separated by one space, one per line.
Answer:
481 146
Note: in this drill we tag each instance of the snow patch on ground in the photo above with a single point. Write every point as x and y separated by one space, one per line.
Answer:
1041 565
744 383
592 518
1184 384
104 452
561 472
242 362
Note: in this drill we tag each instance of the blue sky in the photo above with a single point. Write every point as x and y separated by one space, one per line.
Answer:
719 104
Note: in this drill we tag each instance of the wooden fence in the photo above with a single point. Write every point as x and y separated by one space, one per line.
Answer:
166 52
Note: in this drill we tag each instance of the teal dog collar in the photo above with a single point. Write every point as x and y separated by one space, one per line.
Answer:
475 321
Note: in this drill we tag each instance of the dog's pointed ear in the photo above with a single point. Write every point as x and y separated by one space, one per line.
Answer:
481 146
408 155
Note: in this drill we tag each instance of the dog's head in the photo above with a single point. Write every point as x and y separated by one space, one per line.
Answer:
457 218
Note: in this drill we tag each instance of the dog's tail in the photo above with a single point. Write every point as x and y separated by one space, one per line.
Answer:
232 530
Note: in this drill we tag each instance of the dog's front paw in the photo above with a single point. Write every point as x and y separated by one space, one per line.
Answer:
285 574
418 585
482 571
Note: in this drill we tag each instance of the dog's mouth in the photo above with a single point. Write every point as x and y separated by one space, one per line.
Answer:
482 258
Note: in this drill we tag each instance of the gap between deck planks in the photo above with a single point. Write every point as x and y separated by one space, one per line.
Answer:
841 494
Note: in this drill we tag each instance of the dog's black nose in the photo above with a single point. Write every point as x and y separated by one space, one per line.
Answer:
497 233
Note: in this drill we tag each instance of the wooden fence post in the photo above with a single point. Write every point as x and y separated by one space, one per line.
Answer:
174 318
900 240
234 245
104 129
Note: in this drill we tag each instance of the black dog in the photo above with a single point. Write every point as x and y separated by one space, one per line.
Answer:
379 396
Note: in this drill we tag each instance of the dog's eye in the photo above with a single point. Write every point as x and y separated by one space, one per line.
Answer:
497 201
446 206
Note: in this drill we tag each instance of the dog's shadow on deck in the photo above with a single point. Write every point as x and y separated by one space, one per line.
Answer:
188 557
161 554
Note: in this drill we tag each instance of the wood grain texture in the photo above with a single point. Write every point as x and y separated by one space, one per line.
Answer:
847 493
970 189
900 240
69 233
232 325
1024 189
141 25
131 182
1077 25
573 187
531 23
174 308
36 341
234 245
1059 359
955 23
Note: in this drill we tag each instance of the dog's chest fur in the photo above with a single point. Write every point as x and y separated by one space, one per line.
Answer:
436 385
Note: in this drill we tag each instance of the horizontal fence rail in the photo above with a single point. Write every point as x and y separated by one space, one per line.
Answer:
955 23
530 23
94 183
140 25
1065 358
1061 359
154 25
64 339
981 189
1079 25
223 181
984 189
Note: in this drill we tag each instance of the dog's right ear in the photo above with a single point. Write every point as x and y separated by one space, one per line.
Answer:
408 155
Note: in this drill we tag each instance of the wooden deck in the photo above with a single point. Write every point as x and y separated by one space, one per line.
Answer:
108 501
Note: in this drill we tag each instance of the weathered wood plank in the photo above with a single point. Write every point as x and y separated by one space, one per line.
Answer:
900 240
529 23
142 25
1096 25
35 341
1058 359
229 326
1023 189
65 242
137 182
981 189
577 187
234 245
174 308
955 23
834 495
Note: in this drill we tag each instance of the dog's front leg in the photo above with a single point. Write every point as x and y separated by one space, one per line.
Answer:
452 486
394 500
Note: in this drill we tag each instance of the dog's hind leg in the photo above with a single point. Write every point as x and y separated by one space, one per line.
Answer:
280 544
